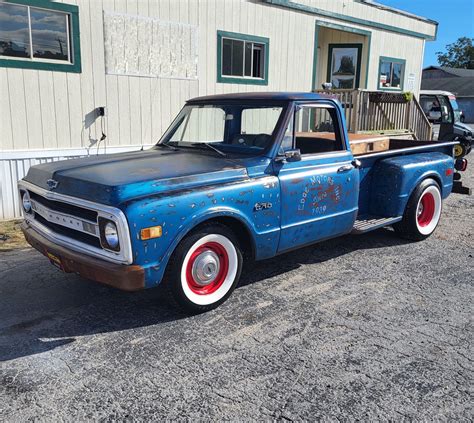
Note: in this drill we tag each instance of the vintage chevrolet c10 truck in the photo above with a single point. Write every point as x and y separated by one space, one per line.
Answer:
235 177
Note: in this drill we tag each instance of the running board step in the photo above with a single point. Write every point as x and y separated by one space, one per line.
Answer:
370 223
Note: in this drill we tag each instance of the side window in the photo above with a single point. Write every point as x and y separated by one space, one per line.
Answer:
316 130
391 73
445 109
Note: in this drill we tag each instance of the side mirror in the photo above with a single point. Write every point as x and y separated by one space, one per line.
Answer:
290 156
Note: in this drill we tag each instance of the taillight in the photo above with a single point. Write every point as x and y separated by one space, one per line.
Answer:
461 165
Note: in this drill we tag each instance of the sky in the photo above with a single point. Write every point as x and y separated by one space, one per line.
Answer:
455 18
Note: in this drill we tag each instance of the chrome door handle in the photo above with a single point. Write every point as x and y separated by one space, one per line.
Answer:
345 168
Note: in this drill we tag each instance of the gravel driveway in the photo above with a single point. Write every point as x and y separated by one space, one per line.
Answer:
361 327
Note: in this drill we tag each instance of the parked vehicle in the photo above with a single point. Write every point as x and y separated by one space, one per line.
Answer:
442 108
236 177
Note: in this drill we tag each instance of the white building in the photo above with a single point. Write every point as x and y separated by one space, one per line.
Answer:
141 59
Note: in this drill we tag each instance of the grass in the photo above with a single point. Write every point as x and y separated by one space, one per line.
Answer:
11 237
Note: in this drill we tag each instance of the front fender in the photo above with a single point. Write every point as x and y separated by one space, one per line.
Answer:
206 215
180 213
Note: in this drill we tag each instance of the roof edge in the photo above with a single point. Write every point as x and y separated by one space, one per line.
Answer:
354 20
397 11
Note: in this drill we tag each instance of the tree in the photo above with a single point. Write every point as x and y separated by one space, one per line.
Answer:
458 55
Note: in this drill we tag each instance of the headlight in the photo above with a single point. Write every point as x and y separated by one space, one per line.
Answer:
26 202
109 236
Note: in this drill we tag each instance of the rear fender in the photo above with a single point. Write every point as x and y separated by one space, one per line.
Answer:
395 178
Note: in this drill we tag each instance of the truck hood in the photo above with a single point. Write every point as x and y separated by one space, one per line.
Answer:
114 178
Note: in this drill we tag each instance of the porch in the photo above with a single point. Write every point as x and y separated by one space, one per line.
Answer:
382 113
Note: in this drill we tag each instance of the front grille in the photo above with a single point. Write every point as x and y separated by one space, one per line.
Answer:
75 222
65 208
71 233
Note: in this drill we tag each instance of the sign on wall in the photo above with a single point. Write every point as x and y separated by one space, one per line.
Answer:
142 46
411 82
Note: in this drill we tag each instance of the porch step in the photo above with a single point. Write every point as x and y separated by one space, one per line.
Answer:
369 223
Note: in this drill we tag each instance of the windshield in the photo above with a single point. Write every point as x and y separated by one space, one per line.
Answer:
456 111
229 129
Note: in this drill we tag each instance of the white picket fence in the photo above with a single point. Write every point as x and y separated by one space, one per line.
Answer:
14 166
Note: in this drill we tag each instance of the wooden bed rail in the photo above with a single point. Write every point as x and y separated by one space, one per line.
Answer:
382 112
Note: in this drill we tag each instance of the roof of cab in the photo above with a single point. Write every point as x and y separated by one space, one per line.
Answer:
263 96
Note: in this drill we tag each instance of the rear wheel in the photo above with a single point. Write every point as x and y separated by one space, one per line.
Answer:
422 212
205 268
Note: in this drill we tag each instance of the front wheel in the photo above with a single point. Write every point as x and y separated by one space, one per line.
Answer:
205 268
422 212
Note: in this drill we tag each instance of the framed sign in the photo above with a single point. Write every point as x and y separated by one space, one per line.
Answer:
344 65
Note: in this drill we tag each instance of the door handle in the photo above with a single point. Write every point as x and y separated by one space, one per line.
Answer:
345 168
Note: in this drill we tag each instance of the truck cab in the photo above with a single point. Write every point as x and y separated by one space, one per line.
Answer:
236 177
441 108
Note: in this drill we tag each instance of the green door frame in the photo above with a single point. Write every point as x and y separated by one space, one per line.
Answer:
318 25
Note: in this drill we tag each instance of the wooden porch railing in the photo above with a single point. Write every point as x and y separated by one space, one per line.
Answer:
375 111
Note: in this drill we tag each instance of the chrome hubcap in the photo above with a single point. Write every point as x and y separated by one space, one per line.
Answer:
420 209
205 267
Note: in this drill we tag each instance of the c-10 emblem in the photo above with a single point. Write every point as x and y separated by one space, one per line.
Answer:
262 206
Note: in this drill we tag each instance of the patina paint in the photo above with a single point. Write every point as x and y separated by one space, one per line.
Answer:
277 205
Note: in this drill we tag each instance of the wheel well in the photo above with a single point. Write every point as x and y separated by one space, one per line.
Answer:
240 230
437 179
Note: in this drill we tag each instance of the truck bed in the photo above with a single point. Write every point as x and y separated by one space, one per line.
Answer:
366 145
396 146
378 145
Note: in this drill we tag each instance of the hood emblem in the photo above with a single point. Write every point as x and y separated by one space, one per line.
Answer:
52 184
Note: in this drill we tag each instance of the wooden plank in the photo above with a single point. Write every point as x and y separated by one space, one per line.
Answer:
145 89
18 108
48 109
33 108
135 112
96 27
123 92
111 87
88 136
6 140
63 134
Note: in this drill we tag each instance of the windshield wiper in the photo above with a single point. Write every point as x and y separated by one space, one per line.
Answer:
210 146
166 145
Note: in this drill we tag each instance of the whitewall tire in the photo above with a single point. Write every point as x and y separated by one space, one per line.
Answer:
422 213
205 268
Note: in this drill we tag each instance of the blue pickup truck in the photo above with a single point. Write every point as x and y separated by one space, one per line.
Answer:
235 177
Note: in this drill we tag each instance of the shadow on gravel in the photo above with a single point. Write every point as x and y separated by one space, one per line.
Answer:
319 253
75 307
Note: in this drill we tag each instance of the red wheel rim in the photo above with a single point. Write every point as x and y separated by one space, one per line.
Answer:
219 279
425 215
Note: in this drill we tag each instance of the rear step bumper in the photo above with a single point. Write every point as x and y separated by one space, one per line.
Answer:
370 223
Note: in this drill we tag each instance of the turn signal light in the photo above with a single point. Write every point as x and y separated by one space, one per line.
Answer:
150 233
